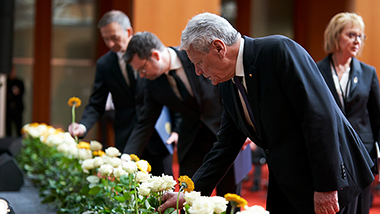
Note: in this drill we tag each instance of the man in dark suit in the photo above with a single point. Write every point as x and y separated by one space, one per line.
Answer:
14 105
115 76
316 161
194 97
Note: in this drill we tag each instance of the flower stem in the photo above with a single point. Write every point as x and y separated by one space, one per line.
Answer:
73 117
179 192
134 187
232 209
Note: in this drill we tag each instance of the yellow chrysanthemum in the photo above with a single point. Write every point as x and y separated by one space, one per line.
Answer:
75 100
235 200
134 157
186 183
98 153
83 145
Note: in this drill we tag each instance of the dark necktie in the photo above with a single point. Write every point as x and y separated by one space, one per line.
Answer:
132 80
181 87
245 98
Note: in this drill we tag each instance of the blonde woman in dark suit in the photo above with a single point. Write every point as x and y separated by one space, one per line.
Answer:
355 87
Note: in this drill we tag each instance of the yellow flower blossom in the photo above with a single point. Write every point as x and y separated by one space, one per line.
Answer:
134 157
235 200
75 100
186 183
98 153
83 145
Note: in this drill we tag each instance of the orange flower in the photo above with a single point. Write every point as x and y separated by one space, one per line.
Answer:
186 183
134 157
83 145
74 100
235 200
98 153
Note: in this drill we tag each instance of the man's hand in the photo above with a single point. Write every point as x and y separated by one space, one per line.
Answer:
326 202
173 138
170 200
80 130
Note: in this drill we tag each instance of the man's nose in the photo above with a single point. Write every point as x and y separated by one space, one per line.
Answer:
198 70
110 43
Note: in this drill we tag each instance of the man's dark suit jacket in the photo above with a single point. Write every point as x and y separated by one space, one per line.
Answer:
309 144
207 112
362 106
109 78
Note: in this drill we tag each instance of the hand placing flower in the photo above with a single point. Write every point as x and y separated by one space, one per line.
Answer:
74 102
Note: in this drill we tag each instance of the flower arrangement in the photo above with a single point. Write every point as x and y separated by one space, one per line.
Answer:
82 178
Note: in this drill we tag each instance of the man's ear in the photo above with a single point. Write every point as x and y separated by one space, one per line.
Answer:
219 47
156 55
130 32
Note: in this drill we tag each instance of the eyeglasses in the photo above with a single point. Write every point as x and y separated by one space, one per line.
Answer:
141 69
354 36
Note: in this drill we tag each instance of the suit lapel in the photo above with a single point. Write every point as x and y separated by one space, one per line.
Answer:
251 79
325 69
356 73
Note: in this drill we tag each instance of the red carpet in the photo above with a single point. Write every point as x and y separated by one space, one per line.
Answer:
259 197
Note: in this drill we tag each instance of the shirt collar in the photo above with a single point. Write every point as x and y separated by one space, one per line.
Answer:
120 55
239 69
175 62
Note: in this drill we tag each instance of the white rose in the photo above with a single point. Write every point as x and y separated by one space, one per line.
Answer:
53 140
98 161
95 145
68 138
85 154
87 165
125 157
144 189
112 152
115 162
168 182
106 159
63 148
220 204
130 167
142 177
156 183
73 150
106 169
253 210
143 165
118 172
191 196
202 205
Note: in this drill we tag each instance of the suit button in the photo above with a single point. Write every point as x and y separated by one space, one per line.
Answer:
266 151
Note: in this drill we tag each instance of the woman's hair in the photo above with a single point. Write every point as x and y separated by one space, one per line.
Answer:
336 26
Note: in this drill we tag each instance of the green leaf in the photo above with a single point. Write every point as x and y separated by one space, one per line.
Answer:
120 198
169 210
118 189
94 190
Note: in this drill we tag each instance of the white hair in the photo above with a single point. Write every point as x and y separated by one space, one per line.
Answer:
204 28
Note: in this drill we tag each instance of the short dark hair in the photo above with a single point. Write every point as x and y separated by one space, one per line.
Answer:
142 44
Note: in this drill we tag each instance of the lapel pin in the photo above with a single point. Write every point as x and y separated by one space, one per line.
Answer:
250 75
356 80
